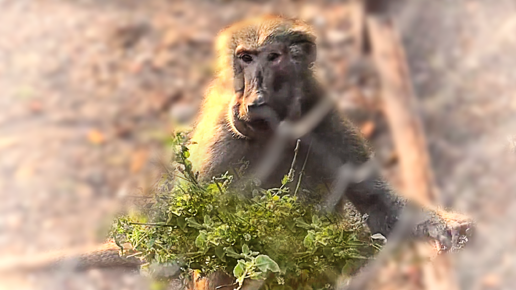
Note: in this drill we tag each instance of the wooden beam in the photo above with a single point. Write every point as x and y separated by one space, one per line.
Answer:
400 108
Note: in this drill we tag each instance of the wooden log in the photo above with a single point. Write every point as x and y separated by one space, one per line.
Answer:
400 108
99 256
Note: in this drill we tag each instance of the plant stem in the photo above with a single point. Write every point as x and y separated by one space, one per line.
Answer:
151 224
303 169
296 150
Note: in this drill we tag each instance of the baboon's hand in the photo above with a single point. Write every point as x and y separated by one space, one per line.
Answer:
452 231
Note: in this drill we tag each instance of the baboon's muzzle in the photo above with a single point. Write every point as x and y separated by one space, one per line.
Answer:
262 86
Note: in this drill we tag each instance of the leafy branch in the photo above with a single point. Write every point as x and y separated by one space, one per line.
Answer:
280 240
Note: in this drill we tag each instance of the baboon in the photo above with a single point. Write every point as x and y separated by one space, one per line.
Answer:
265 74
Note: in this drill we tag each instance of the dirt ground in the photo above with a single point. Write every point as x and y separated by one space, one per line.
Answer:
88 90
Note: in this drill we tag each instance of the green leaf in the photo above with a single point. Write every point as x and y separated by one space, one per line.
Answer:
151 242
258 276
285 180
200 241
300 222
181 222
239 269
207 220
264 263
309 240
245 249
231 253
219 252
316 221
328 252
191 222
356 256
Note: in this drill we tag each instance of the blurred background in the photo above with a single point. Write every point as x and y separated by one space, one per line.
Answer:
89 90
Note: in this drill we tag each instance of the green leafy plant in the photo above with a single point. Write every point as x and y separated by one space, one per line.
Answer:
244 231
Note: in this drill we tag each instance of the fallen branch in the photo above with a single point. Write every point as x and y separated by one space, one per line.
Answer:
400 108
78 259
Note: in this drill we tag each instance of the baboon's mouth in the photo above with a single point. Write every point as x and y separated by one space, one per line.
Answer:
259 125
262 118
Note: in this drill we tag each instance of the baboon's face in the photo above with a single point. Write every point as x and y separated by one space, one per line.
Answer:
269 76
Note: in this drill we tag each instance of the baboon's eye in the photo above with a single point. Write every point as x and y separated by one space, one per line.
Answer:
273 56
247 58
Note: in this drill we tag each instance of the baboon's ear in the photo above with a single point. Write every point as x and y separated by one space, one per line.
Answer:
304 51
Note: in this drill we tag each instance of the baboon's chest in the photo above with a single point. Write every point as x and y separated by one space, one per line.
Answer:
273 164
